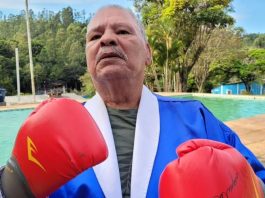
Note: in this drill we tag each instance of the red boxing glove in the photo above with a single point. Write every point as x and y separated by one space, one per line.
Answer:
58 141
207 168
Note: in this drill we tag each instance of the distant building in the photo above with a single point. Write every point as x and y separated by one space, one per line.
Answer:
239 88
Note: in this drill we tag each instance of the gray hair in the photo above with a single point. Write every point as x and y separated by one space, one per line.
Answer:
135 17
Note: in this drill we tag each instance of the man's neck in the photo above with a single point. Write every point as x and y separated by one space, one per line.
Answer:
121 96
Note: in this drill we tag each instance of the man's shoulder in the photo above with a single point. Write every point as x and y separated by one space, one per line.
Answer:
177 100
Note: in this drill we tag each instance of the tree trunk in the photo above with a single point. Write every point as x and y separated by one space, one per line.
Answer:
248 87
183 81
167 74
200 88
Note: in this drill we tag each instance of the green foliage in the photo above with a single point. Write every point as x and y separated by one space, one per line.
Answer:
67 16
87 85
260 41
249 39
7 65
191 86
223 44
248 66
179 31
58 48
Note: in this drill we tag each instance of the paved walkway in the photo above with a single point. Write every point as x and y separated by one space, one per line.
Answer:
252 133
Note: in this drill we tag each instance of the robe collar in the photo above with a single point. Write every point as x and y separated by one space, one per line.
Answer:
145 146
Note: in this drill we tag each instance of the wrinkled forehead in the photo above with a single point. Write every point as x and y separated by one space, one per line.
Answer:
112 15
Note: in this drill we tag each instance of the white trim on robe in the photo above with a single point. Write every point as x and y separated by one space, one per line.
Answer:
145 146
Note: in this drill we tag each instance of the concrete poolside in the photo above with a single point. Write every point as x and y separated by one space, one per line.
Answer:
26 102
252 133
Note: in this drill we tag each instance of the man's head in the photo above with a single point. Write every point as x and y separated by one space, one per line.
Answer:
116 47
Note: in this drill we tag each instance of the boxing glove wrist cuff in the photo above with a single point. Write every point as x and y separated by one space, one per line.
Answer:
13 178
1 188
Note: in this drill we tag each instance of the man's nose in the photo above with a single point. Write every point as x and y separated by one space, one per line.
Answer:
108 39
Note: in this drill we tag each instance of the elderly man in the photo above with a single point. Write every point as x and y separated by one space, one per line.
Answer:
142 130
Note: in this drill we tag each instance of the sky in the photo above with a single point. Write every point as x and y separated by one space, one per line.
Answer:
90 6
249 14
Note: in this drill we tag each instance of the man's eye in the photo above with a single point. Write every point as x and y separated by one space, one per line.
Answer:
95 37
123 32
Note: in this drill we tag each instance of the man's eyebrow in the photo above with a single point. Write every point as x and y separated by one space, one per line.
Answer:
115 25
94 29
121 24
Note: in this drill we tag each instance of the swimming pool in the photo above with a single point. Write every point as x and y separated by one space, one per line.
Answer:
10 121
224 109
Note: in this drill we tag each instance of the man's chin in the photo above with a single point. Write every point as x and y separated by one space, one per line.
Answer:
113 74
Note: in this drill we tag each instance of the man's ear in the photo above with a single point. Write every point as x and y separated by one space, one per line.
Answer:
149 58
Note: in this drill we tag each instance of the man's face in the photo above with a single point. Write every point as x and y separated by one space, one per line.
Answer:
115 47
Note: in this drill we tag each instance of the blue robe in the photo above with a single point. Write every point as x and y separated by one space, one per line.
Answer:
162 124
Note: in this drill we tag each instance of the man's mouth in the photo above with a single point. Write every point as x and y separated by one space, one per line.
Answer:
109 55
113 53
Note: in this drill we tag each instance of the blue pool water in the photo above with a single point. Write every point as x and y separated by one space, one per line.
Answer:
224 109
10 121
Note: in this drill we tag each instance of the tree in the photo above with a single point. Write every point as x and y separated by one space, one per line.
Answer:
250 67
193 21
67 16
164 49
260 41
58 49
223 43
7 65
87 85
247 65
